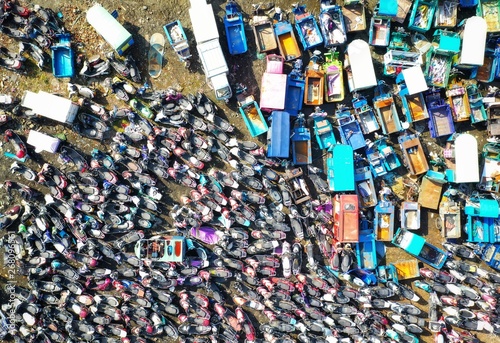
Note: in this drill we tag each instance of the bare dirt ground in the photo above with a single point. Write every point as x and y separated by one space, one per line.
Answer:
143 19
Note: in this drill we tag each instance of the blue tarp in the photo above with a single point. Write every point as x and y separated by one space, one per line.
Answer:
278 140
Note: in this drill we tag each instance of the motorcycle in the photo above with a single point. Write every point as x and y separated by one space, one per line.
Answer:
8 59
95 108
134 73
95 66
24 191
14 33
26 172
68 154
20 150
188 159
119 66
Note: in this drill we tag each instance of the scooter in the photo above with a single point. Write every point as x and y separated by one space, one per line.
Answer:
68 154
10 60
41 57
49 17
39 36
26 172
459 250
120 93
86 92
95 108
24 191
95 67
13 33
11 7
10 216
119 66
21 152
134 71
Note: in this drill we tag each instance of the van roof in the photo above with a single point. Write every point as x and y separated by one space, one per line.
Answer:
49 105
107 26
415 80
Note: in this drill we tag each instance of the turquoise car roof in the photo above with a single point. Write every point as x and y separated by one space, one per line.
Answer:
411 242
488 208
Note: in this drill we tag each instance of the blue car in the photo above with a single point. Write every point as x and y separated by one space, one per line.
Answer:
416 245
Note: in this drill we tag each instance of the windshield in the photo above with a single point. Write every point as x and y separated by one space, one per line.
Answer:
488 254
223 93
403 239
431 254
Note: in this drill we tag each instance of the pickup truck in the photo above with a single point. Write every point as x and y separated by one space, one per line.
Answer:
209 49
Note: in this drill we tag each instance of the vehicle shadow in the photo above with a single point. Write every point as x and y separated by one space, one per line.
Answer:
139 50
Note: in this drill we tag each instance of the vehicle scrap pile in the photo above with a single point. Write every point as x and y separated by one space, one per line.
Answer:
258 249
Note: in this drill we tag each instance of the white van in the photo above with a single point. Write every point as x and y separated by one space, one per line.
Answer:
50 106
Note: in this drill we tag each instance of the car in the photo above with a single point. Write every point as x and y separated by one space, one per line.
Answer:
417 246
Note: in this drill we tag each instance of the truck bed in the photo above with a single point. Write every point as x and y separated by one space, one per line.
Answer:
407 269
302 151
62 61
212 58
264 36
273 91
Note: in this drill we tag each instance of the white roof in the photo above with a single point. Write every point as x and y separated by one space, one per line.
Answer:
107 26
273 91
203 21
474 42
415 80
50 106
212 58
466 159
43 142
360 59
